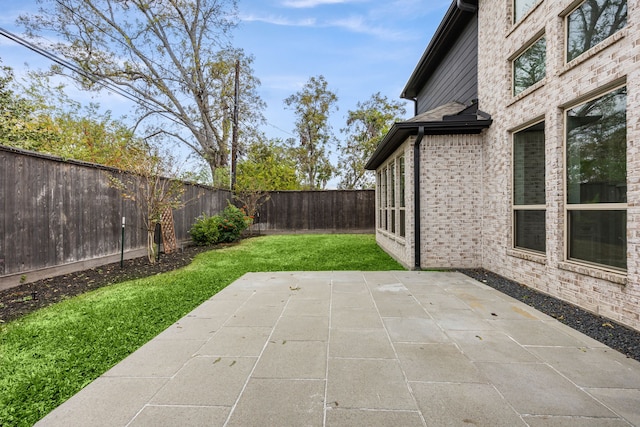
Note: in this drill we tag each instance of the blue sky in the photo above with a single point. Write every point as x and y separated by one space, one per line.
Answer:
360 46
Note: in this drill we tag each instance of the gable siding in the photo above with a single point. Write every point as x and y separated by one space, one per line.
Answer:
456 78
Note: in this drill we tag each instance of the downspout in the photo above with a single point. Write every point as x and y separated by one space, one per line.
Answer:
467 7
416 200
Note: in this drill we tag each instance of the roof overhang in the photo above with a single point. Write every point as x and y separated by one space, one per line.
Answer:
467 121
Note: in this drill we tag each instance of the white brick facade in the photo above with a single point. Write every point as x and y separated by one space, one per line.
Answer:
613 62
466 180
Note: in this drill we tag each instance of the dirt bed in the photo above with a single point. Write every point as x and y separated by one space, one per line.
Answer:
23 299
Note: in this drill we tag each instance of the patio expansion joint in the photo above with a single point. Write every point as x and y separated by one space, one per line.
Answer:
253 368
395 351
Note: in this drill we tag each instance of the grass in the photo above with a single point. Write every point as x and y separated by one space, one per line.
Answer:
50 355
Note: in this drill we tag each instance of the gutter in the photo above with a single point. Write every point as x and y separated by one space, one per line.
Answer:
467 7
416 200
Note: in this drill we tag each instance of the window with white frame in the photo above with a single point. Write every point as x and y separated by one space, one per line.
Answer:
391 197
530 67
521 7
596 180
591 22
529 205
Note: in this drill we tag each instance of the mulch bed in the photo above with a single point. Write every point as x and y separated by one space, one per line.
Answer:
23 299
606 331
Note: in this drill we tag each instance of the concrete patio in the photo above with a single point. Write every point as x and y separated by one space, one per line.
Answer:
363 349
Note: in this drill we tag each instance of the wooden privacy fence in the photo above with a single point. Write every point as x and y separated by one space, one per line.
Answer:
58 216
343 211
61 213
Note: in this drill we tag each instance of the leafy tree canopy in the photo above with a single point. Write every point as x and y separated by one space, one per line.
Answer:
366 126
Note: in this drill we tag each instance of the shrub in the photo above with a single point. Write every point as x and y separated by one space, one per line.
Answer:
233 222
206 230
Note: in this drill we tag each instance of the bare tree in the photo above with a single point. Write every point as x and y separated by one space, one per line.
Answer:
173 54
150 183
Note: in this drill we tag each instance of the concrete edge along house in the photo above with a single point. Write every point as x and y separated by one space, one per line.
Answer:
523 157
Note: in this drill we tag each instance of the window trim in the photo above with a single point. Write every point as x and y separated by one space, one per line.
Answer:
568 207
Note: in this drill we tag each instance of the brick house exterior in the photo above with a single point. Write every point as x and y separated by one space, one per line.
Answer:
525 123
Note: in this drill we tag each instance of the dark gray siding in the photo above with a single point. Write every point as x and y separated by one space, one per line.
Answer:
456 78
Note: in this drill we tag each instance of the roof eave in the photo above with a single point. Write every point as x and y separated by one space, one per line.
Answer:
400 131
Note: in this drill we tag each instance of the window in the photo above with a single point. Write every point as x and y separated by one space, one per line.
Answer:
596 146
592 22
529 68
529 189
402 203
521 7
391 197
384 199
381 212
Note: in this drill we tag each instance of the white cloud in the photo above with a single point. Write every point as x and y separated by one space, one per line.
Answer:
280 21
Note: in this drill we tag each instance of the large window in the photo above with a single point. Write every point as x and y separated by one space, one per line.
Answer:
596 140
521 7
592 22
530 67
529 188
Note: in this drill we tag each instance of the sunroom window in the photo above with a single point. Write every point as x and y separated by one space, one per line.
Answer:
592 22
596 145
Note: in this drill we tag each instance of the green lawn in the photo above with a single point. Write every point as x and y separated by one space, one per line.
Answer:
48 356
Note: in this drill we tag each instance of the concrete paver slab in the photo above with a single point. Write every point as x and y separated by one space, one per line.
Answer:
248 341
363 348
361 343
367 318
277 402
368 384
158 358
623 401
171 416
356 417
307 328
451 404
537 389
207 381
293 360
491 346
437 363
105 402
414 330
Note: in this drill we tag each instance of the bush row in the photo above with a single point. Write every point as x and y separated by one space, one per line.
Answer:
225 227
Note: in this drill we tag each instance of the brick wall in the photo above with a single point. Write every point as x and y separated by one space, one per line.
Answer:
615 61
451 196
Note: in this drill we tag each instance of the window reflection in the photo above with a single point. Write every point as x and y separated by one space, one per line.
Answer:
592 22
597 150
530 67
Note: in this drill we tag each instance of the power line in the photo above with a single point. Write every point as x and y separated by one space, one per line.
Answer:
103 82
